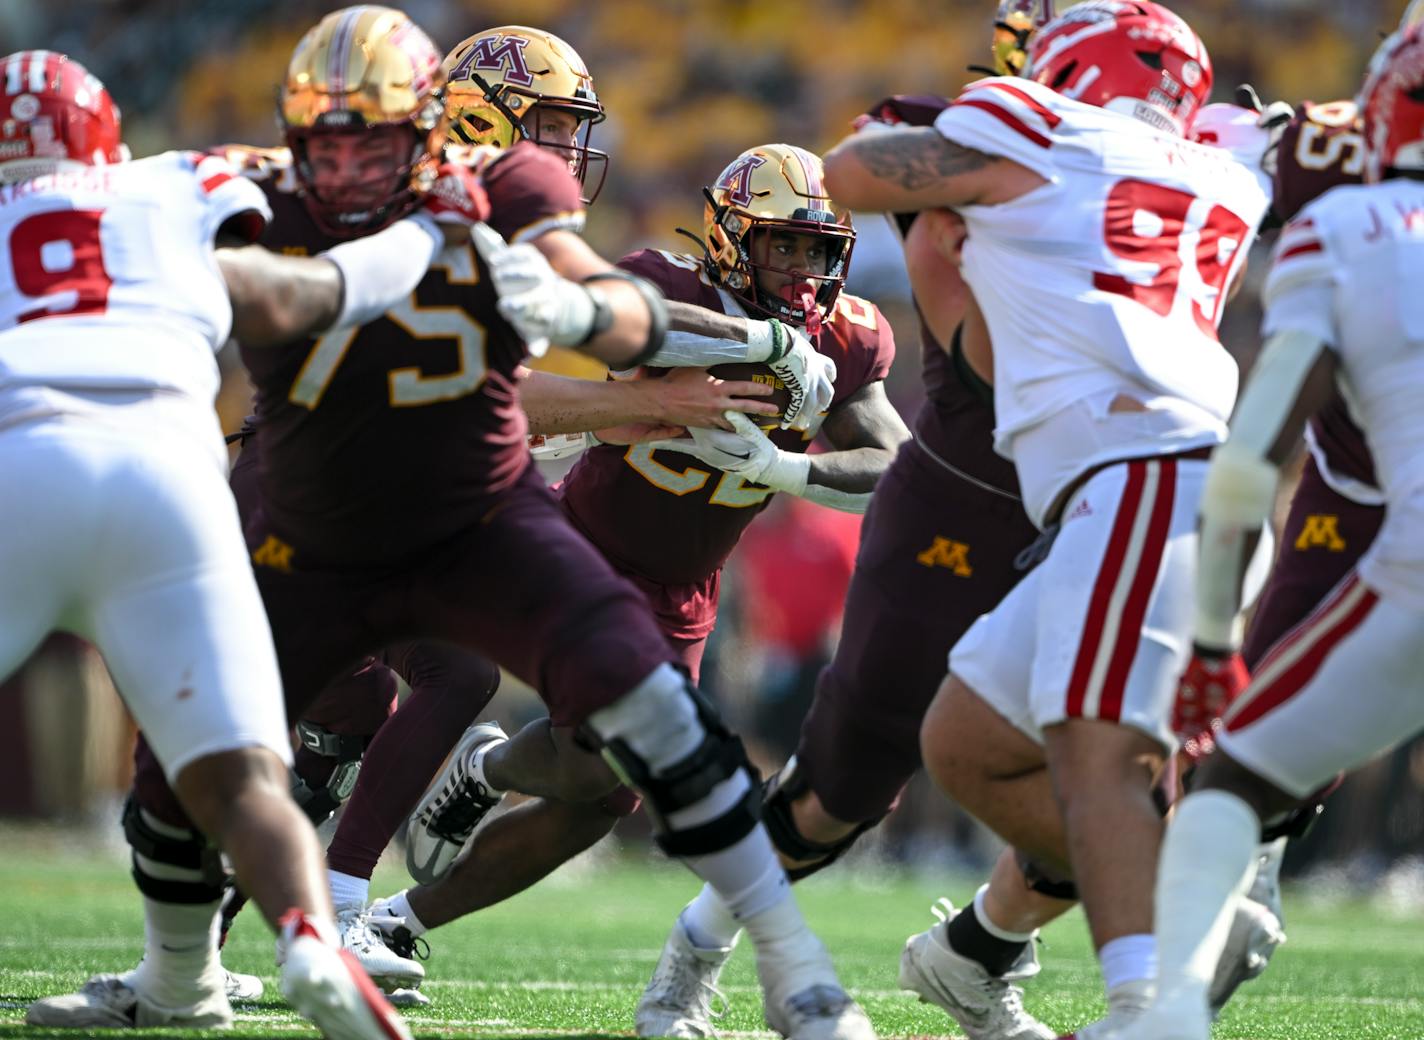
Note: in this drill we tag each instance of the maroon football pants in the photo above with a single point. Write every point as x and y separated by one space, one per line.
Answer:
936 551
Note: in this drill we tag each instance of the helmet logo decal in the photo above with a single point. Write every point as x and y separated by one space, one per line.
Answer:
736 180
504 54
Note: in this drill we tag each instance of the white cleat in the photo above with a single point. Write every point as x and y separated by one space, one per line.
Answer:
327 986
1255 933
246 989
451 808
803 998
1171 1018
678 1000
109 1002
1124 1019
820 1012
371 947
987 1007
407 998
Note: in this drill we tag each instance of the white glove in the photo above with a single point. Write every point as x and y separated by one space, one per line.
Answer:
809 376
747 452
543 306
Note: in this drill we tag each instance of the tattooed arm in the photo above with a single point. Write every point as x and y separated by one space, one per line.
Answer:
907 169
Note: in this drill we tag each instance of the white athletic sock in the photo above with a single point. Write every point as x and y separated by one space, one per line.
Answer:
1204 868
399 906
1131 958
347 889
710 925
180 953
989 926
476 763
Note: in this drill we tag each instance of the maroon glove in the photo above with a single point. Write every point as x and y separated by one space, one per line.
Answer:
1204 692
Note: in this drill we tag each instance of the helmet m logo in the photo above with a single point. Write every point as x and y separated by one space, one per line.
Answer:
502 54
736 180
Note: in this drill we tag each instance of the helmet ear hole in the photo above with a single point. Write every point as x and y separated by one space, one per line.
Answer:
1152 59
1064 75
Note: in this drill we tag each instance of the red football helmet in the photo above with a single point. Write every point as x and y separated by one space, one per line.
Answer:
54 111
1128 56
1392 106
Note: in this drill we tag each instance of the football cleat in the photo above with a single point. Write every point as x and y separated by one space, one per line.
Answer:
1169 1019
679 998
1255 933
372 947
803 999
407 998
820 1012
987 1007
246 989
327 986
451 808
110 1002
1127 1008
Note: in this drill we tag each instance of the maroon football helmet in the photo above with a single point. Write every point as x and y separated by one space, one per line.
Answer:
54 110
1128 56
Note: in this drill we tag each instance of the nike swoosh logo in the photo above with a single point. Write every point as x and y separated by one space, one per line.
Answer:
742 457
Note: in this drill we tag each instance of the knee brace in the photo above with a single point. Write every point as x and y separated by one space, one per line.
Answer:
779 792
666 741
1041 879
318 803
171 864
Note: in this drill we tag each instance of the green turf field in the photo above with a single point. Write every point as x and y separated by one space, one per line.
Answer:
571 957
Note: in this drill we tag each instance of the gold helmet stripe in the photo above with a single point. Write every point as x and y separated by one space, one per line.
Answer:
812 172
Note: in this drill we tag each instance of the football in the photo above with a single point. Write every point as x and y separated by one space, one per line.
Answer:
756 372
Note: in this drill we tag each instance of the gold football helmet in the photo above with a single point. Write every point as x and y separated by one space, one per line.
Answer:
1014 25
498 76
771 188
365 70
1413 14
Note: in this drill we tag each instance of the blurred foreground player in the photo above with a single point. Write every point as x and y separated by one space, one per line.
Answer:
119 523
1343 685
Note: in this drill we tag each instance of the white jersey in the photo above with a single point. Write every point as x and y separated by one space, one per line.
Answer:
1103 288
1348 271
108 277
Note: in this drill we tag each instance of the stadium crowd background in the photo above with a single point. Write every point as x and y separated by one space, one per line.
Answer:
687 85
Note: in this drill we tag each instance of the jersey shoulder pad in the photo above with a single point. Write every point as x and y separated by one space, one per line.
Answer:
1005 116
680 277
1323 147
531 191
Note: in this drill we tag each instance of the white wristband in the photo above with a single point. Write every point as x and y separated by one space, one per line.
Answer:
789 471
381 270
761 340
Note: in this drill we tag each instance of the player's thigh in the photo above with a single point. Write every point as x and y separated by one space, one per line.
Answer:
357 703
1342 688
1115 617
177 615
530 592
47 506
1325 533
923 575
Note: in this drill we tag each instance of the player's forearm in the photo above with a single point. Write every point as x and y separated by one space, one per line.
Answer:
699 338
277 299
854 470
560 404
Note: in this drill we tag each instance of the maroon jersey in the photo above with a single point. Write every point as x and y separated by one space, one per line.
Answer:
1323 148
380 441
663 517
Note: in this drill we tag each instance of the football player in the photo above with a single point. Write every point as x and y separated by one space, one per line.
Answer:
398 499
1108 423
123 279
775 248
503 85
1338 688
